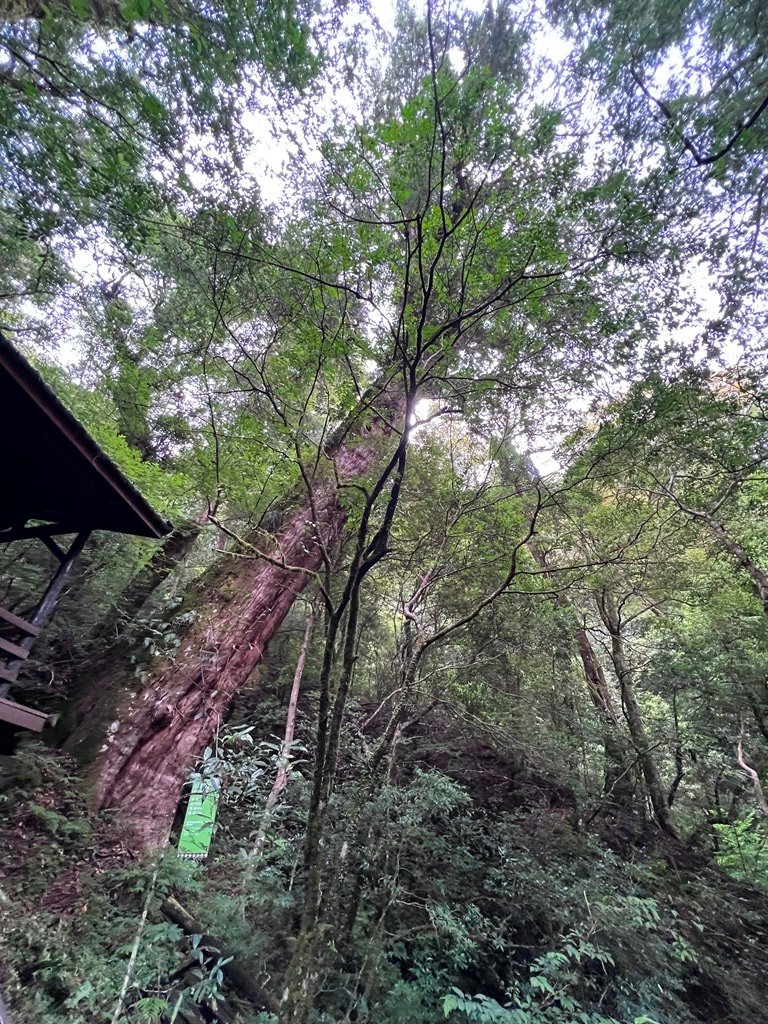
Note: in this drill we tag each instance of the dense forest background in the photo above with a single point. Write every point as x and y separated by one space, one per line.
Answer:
438 334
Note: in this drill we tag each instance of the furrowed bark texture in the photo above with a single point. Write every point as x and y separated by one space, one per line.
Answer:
151 753
174 549
158 732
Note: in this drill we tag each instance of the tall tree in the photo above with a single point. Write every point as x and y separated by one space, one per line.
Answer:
448 242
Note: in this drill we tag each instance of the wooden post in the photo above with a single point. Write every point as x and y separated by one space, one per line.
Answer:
47 606
51 597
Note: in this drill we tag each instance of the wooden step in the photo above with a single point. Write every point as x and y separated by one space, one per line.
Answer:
8 674
14 649
18 714
21 624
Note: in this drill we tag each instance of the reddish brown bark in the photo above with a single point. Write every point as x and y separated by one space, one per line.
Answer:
158 733
165 727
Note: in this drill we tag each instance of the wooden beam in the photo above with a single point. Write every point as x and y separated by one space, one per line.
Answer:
54 548
14 649
44 611
18 622
18 714
56 586
30 532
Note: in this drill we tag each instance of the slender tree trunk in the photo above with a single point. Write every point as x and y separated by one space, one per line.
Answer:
281 778
612 621
758 577
146 748
619 777
303 974
679 763
618 780
597 684
365 834
752 774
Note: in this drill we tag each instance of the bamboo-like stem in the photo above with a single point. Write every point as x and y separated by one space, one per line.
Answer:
136 945
281 778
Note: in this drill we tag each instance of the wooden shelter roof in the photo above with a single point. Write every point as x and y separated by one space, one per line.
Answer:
53 470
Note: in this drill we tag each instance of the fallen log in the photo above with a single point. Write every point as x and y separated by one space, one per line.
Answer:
239 971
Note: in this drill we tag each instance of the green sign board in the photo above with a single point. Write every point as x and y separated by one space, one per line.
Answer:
197 830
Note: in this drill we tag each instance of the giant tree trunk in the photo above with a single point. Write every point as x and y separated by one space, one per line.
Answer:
156 734
108 650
